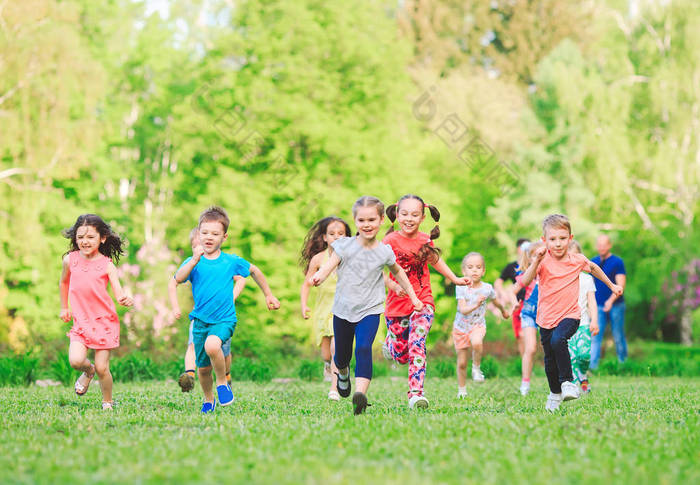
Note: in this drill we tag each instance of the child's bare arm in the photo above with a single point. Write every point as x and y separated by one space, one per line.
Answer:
314 265
64 286
238 285
593 312
184 271
499 305
393 285
465 308
122 298
531 270
272 302
442 268
402 279
598 273
325 270
172 295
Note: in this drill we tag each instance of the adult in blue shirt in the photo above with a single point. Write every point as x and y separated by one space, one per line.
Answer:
610 307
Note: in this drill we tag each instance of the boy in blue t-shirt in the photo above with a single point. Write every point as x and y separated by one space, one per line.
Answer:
211 273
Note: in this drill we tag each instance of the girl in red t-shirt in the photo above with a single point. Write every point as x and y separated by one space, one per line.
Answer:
407 329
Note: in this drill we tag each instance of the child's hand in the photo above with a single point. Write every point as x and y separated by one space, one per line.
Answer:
315 279
540 252
197 253
177 313
417 304
617 289
505 314
396 288
66 315
594 328
305 312
272 302
125 300
463 281
480 300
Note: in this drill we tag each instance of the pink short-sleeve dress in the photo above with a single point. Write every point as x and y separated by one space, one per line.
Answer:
95 320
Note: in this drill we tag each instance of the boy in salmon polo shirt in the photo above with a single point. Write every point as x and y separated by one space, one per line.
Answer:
558 312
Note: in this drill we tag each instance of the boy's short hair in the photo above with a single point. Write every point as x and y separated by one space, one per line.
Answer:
215 214
556 221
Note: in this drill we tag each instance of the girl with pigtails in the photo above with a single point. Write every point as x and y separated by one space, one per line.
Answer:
408 329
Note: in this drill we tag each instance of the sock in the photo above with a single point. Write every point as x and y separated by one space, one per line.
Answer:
228 378
526 380
462 389
343 380
327 364
190 372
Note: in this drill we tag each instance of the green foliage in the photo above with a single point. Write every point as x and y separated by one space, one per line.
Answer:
444 368
285 112
60 369
246 369
17 370
309 370
490 367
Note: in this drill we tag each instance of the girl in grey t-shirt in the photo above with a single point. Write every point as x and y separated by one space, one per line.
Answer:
360 295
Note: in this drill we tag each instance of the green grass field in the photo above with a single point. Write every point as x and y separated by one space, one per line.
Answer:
629 430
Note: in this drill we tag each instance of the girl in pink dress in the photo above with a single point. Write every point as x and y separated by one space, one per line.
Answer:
87 267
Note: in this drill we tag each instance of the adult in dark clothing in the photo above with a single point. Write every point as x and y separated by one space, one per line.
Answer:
611 308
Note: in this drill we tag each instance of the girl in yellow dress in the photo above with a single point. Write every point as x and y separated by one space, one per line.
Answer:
314 253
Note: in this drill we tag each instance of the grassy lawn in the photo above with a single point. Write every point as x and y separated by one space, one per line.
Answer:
629 430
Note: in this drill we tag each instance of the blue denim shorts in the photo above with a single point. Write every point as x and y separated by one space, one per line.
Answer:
220 330
527 321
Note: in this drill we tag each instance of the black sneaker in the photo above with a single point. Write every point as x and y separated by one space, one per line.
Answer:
359 403
341 391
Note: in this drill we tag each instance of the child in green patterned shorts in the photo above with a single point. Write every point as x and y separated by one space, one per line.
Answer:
580 343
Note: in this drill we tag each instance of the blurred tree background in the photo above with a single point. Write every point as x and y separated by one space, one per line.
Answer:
498 112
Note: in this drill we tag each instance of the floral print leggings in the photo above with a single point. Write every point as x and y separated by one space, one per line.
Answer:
405 340
580 352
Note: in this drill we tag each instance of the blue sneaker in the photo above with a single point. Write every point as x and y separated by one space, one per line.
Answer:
225 394
208 407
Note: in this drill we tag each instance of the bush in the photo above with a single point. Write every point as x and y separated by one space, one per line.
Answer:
61 370
444 368
17 370
309 370
135 367
246 369
490 367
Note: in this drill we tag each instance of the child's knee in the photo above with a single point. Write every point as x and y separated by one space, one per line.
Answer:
212 345
75 362
363 351
102 368
559 342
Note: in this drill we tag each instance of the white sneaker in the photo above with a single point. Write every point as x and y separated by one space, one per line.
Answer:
524 388
569 391
553 402
461 393
419 402
477 375
333 395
